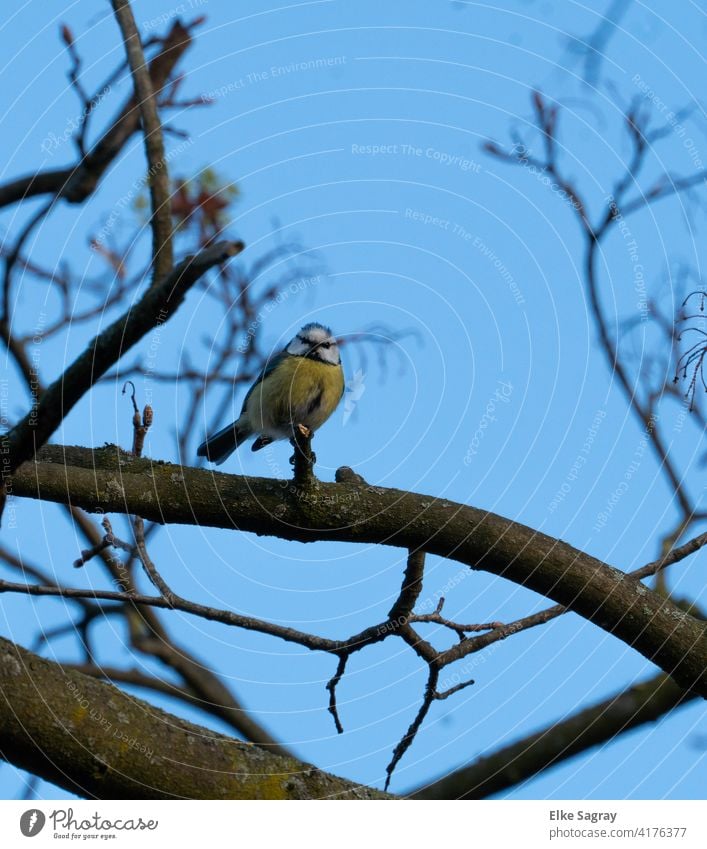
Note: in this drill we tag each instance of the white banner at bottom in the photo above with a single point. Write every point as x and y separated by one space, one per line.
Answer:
335 824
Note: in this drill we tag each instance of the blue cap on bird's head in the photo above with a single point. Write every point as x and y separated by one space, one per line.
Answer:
316 342
315 328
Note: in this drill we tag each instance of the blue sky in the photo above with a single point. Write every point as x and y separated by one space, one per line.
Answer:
357 129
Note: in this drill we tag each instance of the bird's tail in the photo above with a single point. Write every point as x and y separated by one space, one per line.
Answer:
221 445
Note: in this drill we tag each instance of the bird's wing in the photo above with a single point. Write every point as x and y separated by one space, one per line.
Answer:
270 367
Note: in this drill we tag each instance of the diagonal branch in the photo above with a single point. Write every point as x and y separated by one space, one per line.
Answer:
673 556
642 411
157 305
663 189
162 257
501 632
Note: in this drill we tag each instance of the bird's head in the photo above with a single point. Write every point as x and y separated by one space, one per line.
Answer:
317 343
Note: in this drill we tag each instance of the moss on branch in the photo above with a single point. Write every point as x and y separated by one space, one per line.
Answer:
96 741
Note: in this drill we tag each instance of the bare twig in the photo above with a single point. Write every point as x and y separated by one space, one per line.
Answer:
436 618
148 564
141 424
87 103
616 208
411 733
12 256
673 556
160 602
331 687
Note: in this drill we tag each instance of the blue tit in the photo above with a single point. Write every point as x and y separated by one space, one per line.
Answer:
299 388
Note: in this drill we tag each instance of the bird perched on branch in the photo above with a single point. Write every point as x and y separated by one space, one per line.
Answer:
298 389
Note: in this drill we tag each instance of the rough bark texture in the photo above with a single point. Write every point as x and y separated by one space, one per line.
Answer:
597 724
96 741
108 480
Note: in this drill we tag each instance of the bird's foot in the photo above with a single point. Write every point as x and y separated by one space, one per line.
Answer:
312 455
304 430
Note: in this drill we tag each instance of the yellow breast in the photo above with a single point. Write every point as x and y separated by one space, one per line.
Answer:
299 391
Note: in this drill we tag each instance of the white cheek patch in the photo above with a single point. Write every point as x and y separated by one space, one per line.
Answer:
329 355
297 348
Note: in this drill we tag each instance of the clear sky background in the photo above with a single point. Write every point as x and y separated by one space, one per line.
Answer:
356 128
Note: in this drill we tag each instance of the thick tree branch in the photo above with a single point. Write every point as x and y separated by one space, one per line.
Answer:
597 724
96 741
198 683
500 632
157 305
108 480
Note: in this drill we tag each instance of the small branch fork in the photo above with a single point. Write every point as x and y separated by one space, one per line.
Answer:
110 540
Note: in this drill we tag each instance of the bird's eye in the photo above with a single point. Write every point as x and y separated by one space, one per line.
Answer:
326 344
